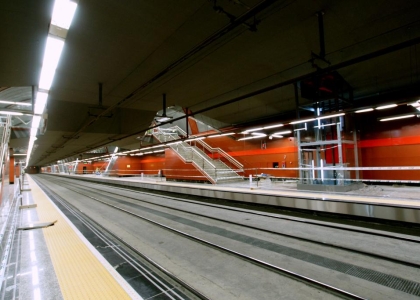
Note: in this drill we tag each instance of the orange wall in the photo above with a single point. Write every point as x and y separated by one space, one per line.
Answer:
394 144
12 170
89 168
135 165
256 158
177 169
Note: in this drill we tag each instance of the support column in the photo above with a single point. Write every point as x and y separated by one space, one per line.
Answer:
11 167
356 152
299 156
340 156
320 15
186 122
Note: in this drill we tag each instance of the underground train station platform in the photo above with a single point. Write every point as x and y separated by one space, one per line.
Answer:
49 258
389 202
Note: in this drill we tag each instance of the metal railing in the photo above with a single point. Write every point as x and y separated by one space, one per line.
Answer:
172 133
219 151
5 132
192 154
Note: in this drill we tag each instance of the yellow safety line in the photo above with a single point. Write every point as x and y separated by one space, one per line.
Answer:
80 274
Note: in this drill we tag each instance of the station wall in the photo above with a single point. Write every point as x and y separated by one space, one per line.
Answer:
379 144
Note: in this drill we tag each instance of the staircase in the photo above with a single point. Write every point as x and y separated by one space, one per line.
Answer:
216 170
111 163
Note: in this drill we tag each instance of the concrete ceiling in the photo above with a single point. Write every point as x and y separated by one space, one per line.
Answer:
200 57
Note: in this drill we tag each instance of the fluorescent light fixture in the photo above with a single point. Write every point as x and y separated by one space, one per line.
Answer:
19 154
157 146
247 138
15 103
416 104
302 121
283 132
253 129
259 134
40 102
148 152
273 126
363 110
222 134
225 134
173 143
326 125
386 106
276 136
252 137
157 151
12 113
162 119
116 150
330 116
52 55
397 118
63 13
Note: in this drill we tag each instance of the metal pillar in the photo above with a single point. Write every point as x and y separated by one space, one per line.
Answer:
356 153
320 15
340 155
186 122
299 156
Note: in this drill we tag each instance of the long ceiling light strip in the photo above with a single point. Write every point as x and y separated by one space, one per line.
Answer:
262 128
222 134
363 110
397 118
62 16
302 121
386 106
52 54
330 116
15 103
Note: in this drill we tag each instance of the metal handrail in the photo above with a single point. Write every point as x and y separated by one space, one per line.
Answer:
193 150
172 134
204 160
213 150
5 139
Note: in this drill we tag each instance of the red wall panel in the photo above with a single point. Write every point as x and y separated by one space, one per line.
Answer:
83 168
258 156
176 168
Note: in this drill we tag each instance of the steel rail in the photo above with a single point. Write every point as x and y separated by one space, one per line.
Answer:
406 239
326 244
260 263
88 219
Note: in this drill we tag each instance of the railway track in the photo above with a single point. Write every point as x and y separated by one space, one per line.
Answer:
113 200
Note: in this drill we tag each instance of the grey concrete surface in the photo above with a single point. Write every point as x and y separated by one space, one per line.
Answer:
224 277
